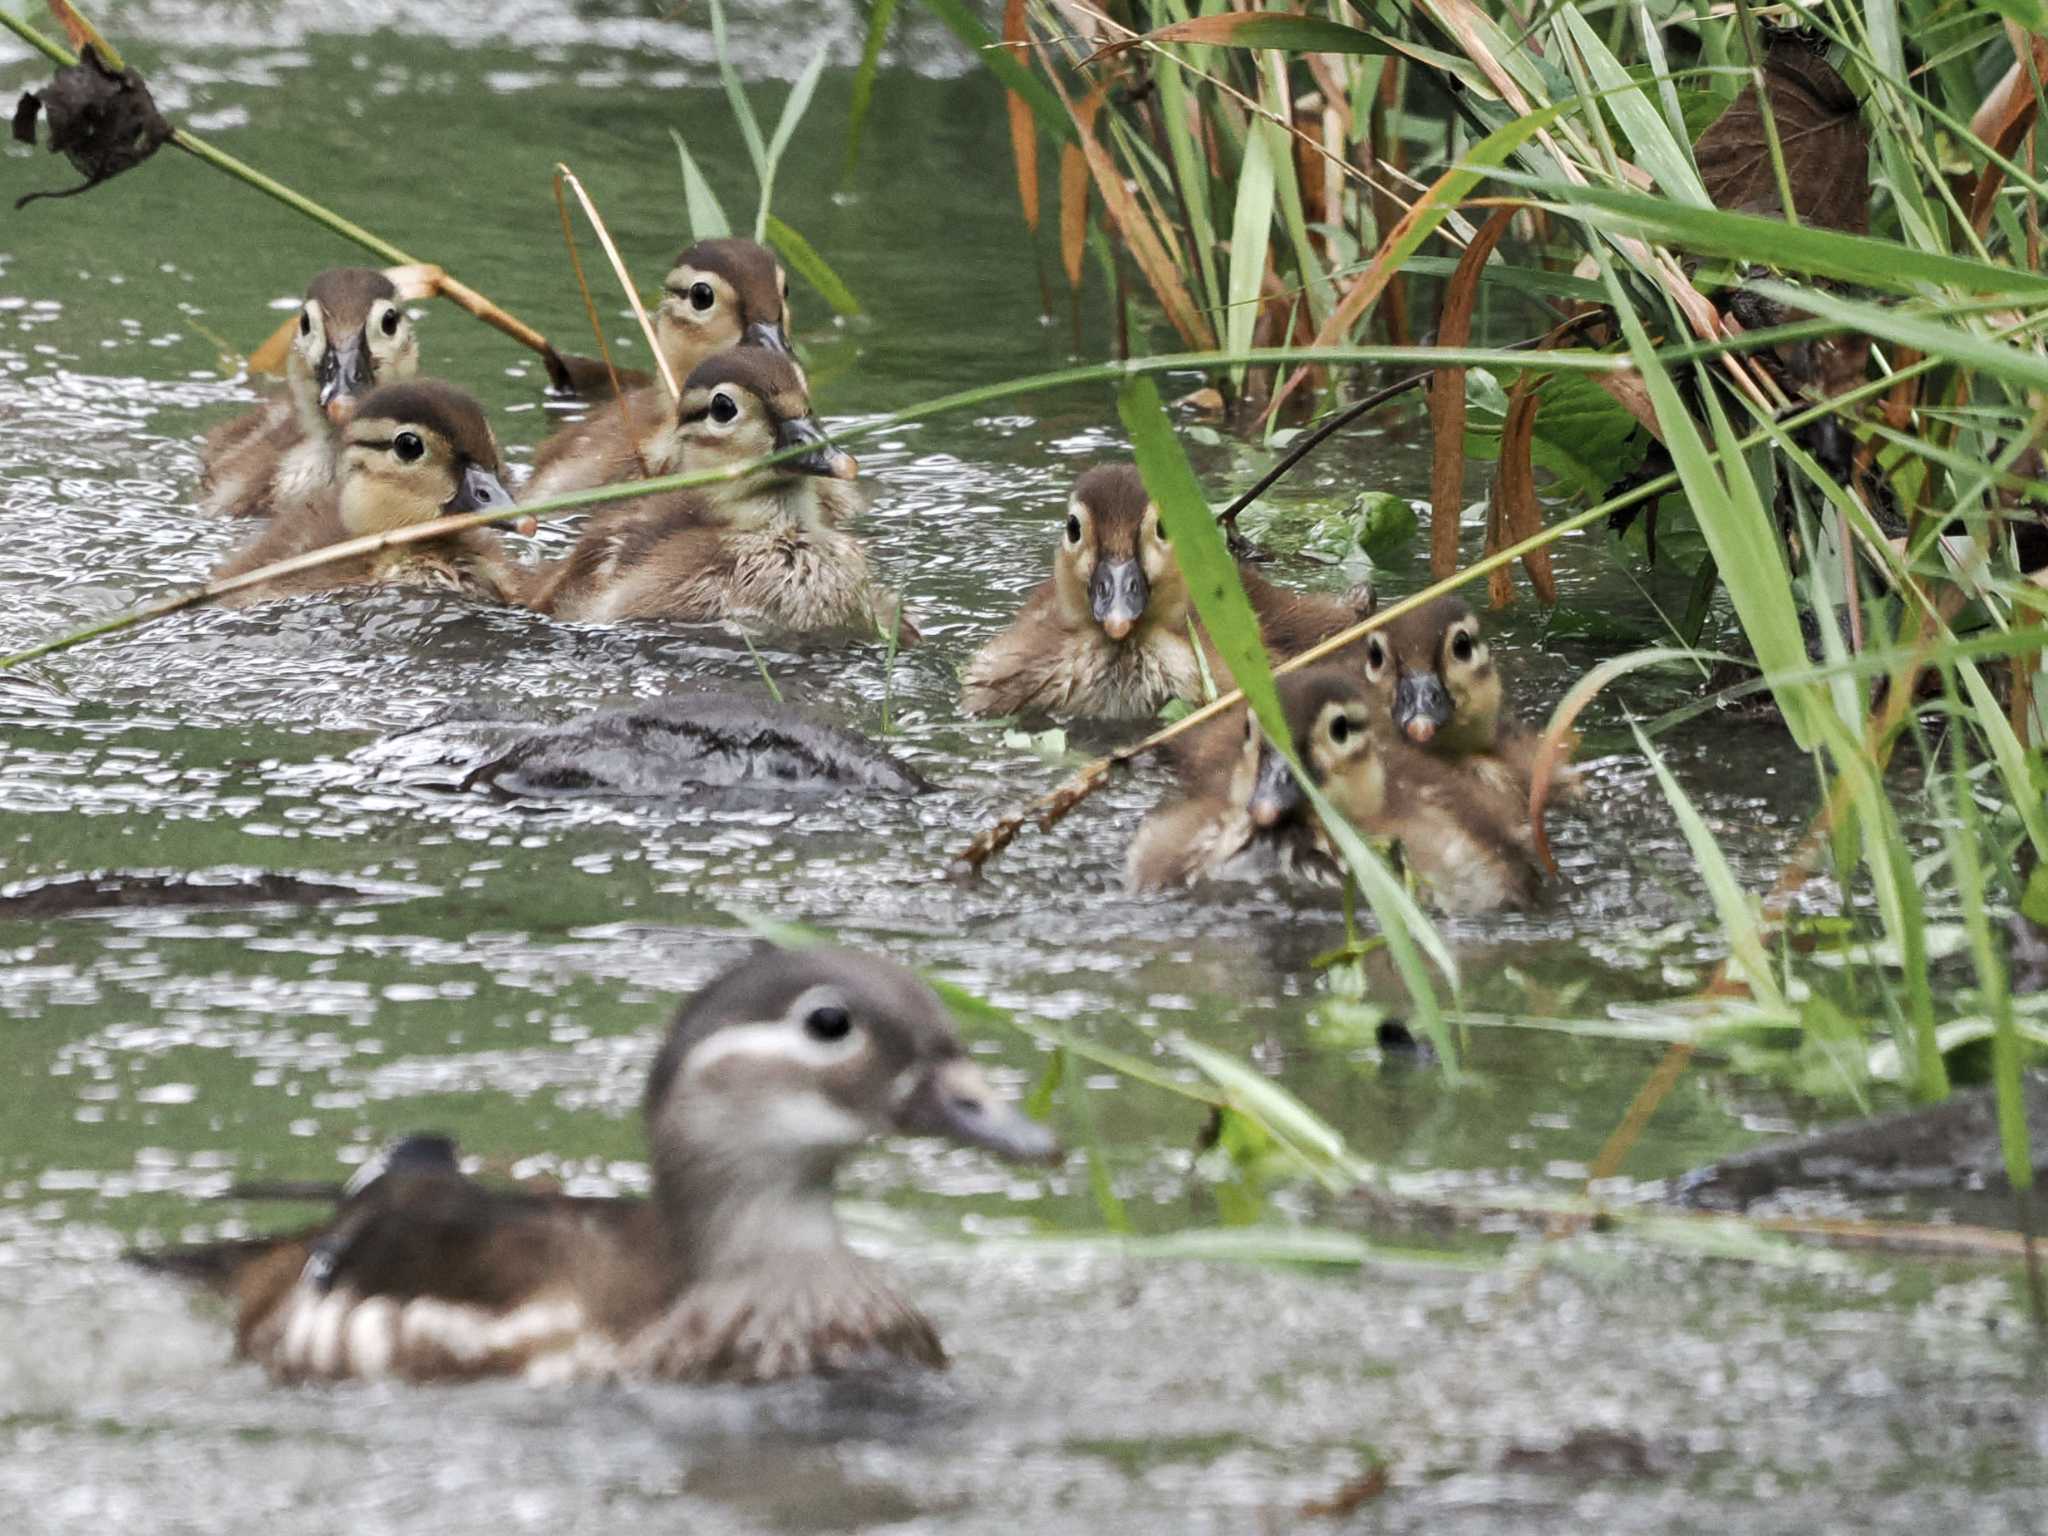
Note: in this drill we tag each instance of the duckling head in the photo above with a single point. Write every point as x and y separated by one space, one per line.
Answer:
721 294
353 335
1329 716
415 451
1432 671
1115 570
784 1065
740 406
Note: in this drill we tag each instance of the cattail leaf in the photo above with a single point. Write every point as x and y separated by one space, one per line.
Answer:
707 218
805 261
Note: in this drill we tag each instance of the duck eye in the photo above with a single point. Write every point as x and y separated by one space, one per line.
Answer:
390 322
724 408
1461 645
305 322
1340 730
828 1023
1375 653
701 297
1073 529
1159 527
407 447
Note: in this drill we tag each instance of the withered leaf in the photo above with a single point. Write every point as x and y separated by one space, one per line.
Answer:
1820 128
102 120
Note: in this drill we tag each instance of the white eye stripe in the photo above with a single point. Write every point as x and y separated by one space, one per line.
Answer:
783 1040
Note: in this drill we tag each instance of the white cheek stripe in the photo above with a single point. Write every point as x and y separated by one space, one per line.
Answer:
785 1040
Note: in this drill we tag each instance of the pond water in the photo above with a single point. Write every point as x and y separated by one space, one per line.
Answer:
509 967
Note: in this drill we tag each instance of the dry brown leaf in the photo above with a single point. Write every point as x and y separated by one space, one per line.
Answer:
1820 130
1140 238
1447 398
1515 487
1023 130
1073 211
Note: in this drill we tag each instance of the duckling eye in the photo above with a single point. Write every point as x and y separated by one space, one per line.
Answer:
828 1023
1461 645
407 447
1375 653
1073 529
305 322
724 408
1159 528
1340 730
390 322
701 296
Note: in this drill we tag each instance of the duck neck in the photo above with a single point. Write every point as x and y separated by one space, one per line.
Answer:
725 1212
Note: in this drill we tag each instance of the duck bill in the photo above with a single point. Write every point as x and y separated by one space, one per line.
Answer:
822 458
1117 594
769 336
1276 793
1421 707
480 491
954 1100
343 377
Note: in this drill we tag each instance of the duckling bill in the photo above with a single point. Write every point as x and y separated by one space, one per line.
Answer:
733 1271
353 334
411 453
766 546
1113 633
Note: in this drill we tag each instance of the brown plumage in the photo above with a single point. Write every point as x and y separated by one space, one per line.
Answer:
734 1270
411 453
352 336
719 294
766 547
1463 835
1113 633
1245 815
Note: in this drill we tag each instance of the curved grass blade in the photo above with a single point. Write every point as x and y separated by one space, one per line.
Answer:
707 218
864 80
793 110
804 260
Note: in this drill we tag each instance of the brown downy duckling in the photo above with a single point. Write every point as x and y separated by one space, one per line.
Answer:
411 453
764 547
1463 837
734 1270
719 295
1110 635
1434 674
1246 813
353 335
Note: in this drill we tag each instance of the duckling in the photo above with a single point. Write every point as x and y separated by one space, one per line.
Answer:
1112 634
1464 837
720 294
410 453
766 546
353 335
1246 811
733 1271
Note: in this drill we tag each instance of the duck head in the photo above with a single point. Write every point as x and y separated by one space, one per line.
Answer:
1114 570
353 335
781 1068
1329 716
721 294
413 452
1433 674
740 406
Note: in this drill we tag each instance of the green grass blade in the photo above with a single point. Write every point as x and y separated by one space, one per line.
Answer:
1739 922
793 110
960 18
1657 150
810 266
742 110
864 80
1226 613
1861 259
707 218
1740 534
1249 226
1965 840
1313 1140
